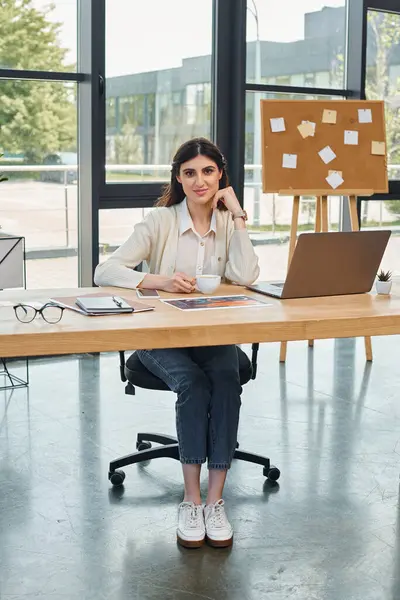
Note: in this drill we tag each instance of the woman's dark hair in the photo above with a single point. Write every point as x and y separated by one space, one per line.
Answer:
173 192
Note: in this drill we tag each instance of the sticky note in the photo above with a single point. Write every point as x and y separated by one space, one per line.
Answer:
289 161
305 129
364 115
351 137
312 126
339 172
334 179
329 116
327 154
378 148
277 125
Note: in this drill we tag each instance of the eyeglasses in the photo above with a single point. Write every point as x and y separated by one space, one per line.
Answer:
51 313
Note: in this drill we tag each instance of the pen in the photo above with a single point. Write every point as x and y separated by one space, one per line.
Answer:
117 302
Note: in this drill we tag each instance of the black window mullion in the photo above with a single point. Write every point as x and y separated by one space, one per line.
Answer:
229 86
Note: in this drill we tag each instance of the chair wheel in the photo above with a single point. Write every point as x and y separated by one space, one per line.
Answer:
272 474
116 477
143 446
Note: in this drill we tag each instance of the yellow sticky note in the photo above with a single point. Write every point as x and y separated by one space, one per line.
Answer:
338 172
305 129
378 148
329 116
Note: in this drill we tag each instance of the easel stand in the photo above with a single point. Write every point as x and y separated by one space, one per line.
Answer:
321 224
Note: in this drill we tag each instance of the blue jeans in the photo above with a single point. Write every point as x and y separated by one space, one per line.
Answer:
207 382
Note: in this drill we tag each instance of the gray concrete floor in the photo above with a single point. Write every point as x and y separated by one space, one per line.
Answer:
329 531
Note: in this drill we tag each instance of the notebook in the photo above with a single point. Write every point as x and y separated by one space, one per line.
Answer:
92 307
104 304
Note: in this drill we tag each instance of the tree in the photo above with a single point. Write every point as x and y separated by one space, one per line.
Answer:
36 118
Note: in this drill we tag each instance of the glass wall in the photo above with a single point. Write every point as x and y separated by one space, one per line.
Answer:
38 138
383 77
158 84
39 200
383 83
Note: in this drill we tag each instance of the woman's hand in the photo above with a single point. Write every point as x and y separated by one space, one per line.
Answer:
228 197
180 282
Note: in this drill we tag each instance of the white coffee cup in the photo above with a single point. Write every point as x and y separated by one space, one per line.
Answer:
207 284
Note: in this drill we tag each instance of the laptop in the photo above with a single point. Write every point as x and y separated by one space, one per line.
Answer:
330 264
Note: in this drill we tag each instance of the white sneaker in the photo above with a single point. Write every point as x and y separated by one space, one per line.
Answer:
191 531
219 531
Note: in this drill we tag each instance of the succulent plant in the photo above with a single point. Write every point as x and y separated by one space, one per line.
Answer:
384 275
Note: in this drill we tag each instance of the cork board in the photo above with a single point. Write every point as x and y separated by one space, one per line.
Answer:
363 173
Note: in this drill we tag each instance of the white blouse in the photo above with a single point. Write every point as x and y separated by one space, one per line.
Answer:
195 252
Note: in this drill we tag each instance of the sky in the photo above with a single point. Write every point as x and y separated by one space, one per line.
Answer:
147 35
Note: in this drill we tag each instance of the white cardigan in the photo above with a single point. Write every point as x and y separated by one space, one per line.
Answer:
155 241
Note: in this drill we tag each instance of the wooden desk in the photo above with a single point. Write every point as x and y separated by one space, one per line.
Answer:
311 318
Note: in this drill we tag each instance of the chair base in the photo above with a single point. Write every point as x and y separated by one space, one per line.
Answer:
169 448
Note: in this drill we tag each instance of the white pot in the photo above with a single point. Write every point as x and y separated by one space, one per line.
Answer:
383 287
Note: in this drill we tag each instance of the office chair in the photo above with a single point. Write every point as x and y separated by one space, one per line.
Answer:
136 375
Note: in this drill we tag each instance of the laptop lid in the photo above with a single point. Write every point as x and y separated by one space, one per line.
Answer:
335 263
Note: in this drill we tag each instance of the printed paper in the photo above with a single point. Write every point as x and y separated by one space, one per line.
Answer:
327 154
364 115
329 116
378 148
289 161
351 138
277 125
334 179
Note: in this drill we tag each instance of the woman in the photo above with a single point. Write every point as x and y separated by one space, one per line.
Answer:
198 227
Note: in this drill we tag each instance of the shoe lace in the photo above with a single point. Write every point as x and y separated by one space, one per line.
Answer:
193 514
217 515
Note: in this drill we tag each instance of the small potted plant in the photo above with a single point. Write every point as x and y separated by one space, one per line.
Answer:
384 282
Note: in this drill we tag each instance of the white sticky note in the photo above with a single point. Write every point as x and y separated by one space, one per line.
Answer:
364 115
329 116
327 154
378 148
312 129
289 161
277 125
334 179
351 137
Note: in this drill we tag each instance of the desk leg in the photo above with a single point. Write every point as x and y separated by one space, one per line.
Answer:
292 244
355 227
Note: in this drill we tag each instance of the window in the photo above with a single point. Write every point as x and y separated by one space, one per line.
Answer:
382 83
159 80
39 201
382 78
311 40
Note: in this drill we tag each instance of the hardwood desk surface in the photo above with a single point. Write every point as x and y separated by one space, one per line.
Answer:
310 318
